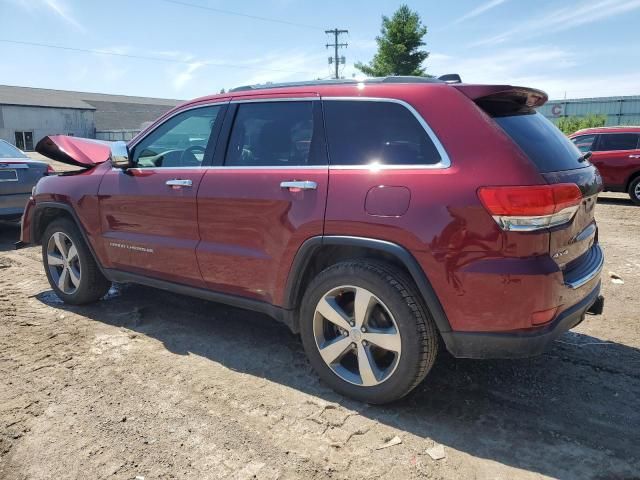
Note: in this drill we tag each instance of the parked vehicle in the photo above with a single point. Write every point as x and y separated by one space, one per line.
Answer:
616 153
18 175
382 220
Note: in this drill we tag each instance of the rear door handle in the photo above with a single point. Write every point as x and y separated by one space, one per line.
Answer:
634 156
296 185
179 183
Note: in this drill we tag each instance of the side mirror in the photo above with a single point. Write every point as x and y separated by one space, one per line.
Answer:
120 155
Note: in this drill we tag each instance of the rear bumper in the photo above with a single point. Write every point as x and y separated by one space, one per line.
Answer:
521 344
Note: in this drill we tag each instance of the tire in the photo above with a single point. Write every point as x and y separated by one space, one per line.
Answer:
394 308
84 282
634 190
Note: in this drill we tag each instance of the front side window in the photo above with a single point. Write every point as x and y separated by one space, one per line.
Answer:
376 132
584 142
179 142
271 134
617 141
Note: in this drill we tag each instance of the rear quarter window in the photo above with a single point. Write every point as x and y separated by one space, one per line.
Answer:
617 141
541 141
376 132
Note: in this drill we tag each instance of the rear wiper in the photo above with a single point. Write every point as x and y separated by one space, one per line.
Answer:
585 157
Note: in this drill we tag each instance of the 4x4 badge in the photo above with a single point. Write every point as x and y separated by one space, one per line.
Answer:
560 254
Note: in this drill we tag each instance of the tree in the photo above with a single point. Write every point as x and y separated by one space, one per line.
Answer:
398 46
569 125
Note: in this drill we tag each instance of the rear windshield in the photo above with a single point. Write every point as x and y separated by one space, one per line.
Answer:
541 141
9 151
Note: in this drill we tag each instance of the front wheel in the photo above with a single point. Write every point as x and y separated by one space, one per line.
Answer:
366 332
634 190
70 267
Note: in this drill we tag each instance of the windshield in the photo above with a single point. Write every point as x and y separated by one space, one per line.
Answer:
541 140
9 151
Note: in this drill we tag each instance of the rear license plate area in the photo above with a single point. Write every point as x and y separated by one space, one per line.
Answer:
7 175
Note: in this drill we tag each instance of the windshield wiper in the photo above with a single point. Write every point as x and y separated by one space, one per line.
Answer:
585 157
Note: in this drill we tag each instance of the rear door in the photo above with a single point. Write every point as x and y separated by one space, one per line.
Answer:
616 155
265 196
149 212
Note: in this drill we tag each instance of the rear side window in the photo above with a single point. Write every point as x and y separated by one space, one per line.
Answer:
9 151
617 141
271 134
584 142
374 132
541 141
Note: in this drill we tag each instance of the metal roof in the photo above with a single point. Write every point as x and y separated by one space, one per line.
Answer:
42 97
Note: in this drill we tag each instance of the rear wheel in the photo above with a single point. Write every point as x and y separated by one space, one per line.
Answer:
366 332
70 267
634 190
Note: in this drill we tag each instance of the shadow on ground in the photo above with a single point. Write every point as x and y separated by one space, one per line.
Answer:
545 415
9 234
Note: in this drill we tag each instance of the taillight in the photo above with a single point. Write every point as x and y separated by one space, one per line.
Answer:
532 207
50 170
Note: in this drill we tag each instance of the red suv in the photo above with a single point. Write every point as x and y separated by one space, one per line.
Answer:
382 220
616 153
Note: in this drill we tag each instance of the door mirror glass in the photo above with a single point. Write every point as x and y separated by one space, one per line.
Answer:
120 155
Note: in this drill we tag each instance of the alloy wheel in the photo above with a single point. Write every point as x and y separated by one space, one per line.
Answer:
357 336
63 263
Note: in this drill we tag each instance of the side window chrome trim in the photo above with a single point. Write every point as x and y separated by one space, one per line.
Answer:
177 112
445 161
239 167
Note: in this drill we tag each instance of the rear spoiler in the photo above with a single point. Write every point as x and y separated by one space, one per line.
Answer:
82 152
522 96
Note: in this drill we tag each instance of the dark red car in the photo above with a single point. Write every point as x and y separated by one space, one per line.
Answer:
616 153
382 220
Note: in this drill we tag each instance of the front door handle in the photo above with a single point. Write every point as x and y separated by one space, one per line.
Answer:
179 183
634 156
297 185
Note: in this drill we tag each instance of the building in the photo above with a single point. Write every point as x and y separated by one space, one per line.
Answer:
28 114
618 110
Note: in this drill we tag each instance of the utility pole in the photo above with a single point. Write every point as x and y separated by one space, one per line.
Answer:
336 60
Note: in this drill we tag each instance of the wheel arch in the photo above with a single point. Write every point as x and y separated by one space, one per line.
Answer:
630 180
318 253
47 212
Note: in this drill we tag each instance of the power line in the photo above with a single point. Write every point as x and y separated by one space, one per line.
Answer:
336 44
238 14
145 57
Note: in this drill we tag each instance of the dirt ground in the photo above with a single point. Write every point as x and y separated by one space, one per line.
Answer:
155 385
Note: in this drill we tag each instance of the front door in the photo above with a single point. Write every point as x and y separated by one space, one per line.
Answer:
616 156
149 212
264 198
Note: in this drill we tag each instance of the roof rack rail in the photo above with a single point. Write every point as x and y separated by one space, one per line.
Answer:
343 81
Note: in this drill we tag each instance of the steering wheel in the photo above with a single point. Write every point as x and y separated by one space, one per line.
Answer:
191 160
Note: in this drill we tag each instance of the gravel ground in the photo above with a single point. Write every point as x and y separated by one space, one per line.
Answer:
151 384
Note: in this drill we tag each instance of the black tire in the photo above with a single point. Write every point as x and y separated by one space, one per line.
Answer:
93 284
634 190
419 336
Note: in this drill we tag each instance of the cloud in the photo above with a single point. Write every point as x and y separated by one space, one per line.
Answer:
60 9
479 10
282 66
503 65
564 18
186 75
555 70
